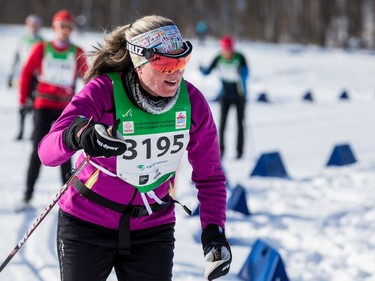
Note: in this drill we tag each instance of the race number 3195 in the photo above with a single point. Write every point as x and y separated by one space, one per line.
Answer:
154 146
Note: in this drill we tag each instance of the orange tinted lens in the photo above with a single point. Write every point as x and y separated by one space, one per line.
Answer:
168 65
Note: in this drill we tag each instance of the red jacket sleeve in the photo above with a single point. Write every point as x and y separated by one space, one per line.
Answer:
81 62
32 65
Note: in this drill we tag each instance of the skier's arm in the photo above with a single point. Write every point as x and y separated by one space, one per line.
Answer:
207 70
32 64
81 63
13 69
204 156
93 99
16 60
244 73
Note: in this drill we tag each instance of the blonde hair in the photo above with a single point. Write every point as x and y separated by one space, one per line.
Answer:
113 55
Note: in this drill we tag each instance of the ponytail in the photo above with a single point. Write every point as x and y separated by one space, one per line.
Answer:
110 57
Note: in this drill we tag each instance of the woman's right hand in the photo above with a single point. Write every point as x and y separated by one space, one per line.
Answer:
96 139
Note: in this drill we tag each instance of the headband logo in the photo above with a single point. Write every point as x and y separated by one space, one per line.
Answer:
134 49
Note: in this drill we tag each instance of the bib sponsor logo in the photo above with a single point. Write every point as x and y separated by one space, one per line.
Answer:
141 167
128 127
181 120
143 179
128 113
157 174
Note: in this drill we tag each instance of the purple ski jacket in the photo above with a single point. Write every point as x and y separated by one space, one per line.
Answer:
96 100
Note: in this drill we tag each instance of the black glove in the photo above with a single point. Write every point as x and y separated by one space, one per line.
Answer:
23 110
96 139
217 252
26 108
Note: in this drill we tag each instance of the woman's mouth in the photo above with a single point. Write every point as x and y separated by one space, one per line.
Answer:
170 82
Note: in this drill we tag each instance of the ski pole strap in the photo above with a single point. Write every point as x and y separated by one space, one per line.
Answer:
127 211
124 234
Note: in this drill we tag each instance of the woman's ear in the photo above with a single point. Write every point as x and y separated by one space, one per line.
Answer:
139 70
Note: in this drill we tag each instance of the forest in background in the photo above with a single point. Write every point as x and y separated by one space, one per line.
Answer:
327 23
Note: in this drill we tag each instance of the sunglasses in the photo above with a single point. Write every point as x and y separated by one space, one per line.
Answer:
163 62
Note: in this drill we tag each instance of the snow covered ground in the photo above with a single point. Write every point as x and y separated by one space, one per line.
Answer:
321 220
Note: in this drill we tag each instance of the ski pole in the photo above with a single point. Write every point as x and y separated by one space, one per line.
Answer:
45 212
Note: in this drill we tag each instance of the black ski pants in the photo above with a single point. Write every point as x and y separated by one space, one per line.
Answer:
226 104
89 252
43 120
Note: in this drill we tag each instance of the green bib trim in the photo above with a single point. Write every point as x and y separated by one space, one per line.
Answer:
59 55
30 40
236 59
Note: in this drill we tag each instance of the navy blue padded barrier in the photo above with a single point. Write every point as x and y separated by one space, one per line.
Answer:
270 165
263 264
237 201
341 155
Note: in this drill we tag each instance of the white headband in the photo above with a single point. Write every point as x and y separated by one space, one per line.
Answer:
165 39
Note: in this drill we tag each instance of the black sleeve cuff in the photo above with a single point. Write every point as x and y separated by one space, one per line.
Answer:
211 233
70 135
